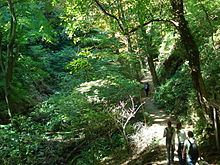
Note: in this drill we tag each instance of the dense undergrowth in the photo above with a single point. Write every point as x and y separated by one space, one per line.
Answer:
77 81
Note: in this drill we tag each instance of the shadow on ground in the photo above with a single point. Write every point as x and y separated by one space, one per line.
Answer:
154 156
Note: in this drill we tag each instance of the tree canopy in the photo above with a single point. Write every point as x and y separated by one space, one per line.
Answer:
72 75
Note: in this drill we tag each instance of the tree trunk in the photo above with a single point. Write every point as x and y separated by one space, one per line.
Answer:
1 56
215 114
194 63
11 58
153 72
191 50
150 59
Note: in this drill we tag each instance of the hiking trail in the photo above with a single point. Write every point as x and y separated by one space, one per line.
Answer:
148 140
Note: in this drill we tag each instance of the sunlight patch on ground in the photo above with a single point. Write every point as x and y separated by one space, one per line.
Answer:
147 136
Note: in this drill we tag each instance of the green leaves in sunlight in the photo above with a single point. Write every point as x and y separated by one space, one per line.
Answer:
77 78
175 94
112 89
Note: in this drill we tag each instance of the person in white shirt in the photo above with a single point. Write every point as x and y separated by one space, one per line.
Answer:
169 133
181 136
185 154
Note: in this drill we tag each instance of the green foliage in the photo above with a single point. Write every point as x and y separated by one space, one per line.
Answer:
21 142
58 112
82 64
45 133
203 16
67 48
211 68
103 150
95 152
175 94
111 90
33 24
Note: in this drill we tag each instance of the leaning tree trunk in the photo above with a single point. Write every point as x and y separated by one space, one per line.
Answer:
191 50
194 63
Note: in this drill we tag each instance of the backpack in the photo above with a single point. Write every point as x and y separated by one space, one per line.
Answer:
193 151
146 86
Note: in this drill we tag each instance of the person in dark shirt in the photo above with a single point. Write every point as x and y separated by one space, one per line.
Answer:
169 133
146 88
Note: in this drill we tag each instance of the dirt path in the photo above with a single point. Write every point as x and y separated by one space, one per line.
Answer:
148 140
159 123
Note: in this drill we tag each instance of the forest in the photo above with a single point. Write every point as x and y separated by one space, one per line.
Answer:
72 76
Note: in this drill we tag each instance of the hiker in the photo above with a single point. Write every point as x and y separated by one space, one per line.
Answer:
146 88
169 133
190 150
181 136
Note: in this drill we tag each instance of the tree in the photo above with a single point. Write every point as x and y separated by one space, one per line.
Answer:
122 22
11 56
193 56
24 24
191 49
122 114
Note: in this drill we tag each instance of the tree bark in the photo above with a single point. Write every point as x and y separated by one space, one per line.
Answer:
194 63
191 50
153 72
10 59
215 116
150 59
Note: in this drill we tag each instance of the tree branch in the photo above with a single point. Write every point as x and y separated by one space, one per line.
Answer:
151 21
134 111
12 36
110 15
176 24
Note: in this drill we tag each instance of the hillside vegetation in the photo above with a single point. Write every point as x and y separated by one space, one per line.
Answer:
73 72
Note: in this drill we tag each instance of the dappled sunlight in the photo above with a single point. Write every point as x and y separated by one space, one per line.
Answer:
92 82
148 140
89 86
86 87
147 136
160 119
167 45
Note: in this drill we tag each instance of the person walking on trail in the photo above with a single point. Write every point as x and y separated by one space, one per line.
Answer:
146 88
190 150
169 133
181 136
